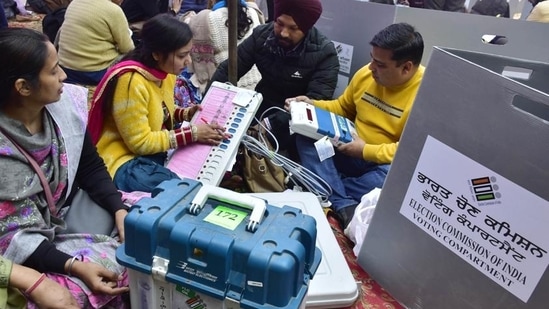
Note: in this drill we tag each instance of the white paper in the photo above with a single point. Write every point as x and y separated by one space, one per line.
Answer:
490 222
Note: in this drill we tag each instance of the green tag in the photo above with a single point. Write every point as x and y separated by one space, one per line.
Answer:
185 291
226 217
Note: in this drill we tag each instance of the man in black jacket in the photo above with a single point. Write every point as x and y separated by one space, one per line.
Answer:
3 19
446 5
293 58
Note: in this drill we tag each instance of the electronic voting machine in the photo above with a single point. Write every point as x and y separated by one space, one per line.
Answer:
230 106
314 122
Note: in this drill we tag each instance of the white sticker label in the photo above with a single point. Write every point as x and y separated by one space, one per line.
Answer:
324 148
255 283
493 224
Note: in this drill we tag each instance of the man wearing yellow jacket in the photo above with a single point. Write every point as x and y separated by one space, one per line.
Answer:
378 100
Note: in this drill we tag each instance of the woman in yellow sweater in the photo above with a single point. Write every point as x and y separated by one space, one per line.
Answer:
133 110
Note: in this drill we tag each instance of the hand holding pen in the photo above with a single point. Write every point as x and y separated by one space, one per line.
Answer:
210 133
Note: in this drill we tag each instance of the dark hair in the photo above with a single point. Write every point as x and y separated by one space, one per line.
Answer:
24 54
535 2
405 42
243 21
162 34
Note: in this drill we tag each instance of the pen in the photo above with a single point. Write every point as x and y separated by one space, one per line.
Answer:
218 130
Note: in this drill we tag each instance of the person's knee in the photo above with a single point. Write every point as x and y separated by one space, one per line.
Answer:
141 174
377 177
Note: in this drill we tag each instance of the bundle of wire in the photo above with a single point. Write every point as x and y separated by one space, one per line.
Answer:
295 172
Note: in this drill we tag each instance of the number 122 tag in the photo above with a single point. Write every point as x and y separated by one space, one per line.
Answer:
226 217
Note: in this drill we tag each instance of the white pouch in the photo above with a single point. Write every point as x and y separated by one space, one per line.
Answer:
356 230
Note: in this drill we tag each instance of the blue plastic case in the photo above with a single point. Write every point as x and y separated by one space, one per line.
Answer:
208 239
333 123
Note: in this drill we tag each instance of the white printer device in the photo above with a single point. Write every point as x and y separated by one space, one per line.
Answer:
316 123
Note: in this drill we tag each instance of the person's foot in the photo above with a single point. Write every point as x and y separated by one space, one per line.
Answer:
345 215
27 18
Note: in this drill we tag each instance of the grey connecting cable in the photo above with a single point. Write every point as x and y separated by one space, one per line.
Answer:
299 174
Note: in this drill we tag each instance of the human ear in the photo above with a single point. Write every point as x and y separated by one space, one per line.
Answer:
22 87
407 67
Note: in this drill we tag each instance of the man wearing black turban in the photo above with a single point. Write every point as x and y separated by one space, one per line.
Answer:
293 58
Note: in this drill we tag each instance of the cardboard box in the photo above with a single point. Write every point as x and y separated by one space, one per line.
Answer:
462 218
198 246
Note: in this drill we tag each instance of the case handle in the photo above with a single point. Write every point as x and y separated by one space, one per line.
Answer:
257 205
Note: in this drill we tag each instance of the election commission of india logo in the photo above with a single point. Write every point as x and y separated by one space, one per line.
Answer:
485 190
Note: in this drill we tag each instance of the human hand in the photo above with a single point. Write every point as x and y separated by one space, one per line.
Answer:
353 148
44 292
211 133
300 98
192 110
50 295
176 5
98 278
119 222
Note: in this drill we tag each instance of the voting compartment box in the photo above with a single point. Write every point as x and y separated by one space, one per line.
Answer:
193 245
461 221
351 25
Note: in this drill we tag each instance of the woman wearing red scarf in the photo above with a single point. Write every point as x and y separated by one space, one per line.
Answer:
133 110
